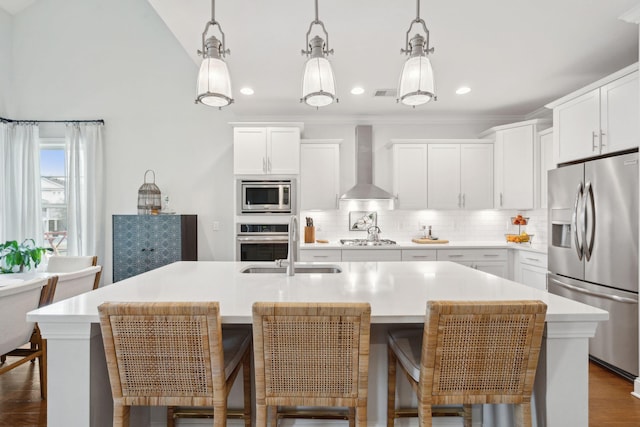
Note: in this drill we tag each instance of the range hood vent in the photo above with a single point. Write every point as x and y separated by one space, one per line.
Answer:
365 195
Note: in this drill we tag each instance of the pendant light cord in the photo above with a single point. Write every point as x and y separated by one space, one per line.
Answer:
213 11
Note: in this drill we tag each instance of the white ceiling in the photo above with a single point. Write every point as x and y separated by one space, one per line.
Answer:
516 55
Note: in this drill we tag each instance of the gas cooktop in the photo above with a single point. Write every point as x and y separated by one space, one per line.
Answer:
365 242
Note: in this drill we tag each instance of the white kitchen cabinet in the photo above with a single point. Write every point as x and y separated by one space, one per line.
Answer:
419 255
546 163
320 255
410 175
493 261
319 174
460 176
599 119
371 255
514 174
266 150
532 269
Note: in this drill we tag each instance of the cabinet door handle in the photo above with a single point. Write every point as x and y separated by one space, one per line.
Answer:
269 164
533 259
143 249
594 135
337 202
151 250
321 256
463 200
264 164
490 255
500 199
420 256
455 256
459 200
602 135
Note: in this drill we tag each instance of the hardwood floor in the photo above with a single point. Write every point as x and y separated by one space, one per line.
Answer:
610 401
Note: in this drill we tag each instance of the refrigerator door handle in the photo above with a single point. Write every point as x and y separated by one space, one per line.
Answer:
592 293
588 200
574 221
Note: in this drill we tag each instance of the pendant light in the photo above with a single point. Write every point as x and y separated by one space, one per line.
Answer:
416 85
318 82
214 82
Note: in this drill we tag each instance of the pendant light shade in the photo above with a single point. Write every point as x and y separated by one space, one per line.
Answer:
416 81
318 81
416 86
214 81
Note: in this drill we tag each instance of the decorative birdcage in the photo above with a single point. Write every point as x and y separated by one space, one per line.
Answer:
149 196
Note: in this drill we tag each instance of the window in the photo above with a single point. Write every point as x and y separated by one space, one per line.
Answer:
53 188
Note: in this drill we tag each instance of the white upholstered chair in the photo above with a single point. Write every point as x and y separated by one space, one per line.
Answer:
16 300
77 282
66 264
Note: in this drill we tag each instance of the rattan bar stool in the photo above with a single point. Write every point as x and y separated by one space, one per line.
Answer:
173 354
469 352
311 355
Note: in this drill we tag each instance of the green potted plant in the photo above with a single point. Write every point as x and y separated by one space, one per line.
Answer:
14 257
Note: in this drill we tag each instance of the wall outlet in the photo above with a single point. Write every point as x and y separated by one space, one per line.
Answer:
216 225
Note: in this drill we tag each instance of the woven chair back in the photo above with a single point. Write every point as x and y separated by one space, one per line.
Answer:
163 353
311 354
481 352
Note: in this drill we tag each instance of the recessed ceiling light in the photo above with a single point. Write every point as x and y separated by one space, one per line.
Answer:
357 90
246 91
462 90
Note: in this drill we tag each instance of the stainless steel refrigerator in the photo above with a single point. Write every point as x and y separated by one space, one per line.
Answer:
593 250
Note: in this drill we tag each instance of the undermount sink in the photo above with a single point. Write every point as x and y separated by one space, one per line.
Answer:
253 269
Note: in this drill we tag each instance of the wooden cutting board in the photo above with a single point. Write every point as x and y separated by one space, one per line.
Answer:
429 241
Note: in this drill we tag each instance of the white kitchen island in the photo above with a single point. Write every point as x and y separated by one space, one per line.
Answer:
79 391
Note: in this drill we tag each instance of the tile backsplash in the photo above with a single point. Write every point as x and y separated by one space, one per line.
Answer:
456 225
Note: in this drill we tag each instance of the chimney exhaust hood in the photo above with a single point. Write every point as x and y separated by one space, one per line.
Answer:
365 196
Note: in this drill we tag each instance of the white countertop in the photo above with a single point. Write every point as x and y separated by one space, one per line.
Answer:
335 244
397 291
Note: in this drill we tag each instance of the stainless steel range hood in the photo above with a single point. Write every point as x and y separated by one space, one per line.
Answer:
366 196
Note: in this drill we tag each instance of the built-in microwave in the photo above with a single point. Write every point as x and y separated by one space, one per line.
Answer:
266 196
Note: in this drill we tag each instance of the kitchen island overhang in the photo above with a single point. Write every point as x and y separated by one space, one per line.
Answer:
396 291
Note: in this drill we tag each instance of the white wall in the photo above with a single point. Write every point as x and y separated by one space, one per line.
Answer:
5 63
117 61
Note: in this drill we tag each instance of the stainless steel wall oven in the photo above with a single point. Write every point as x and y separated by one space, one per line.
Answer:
262 242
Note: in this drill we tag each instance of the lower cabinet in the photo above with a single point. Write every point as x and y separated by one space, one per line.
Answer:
371 255
532 269
492 261
319 255
145 242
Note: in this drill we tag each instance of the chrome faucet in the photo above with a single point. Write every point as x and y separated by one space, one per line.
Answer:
292 247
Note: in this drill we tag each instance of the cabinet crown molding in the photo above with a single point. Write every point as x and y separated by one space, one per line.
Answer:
395 141
540 122
299 125
595 85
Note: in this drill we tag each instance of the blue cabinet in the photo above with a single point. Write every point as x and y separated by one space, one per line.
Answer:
145 242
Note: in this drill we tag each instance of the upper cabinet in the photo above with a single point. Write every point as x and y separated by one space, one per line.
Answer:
599 119
546 163
410 175
266 150
514 173
319 174
460 176
443 174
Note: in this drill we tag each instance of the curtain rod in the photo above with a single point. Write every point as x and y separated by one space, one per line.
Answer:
2 119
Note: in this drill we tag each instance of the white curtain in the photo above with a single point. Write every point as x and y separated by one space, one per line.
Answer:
85 189
20 196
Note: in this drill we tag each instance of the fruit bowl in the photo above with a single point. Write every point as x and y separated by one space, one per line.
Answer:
519 220
519 238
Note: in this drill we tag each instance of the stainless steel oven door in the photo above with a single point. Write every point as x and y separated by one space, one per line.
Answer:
261 248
